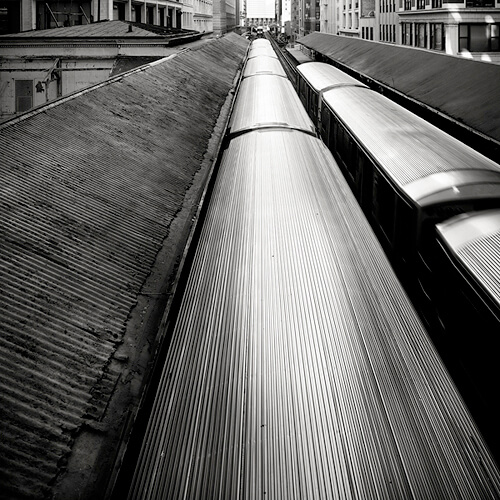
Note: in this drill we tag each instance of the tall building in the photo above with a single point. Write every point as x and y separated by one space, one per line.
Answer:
261 8
260 12
470 28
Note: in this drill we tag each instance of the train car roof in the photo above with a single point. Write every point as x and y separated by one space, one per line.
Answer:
474 241
425 162
297 356
263 65
268 101
261 51
261 42
322 76
465 90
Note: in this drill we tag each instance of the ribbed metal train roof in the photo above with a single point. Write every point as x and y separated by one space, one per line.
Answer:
475 240
321 76
266 101
409 147
263 66
90 188
465 90
261 51
260 42
308 372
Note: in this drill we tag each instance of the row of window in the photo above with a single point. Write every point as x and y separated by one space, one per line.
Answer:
438 4
423 35
387 6
388 33
367 33
479 37
472 37
420 4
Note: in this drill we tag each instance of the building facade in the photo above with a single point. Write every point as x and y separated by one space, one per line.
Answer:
470 28
25 15
260 12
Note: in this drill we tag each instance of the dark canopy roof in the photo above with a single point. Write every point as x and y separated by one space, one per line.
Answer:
466 91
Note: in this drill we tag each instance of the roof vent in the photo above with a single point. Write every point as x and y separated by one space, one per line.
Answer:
130 29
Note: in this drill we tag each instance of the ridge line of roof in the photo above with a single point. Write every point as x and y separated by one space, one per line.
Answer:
61 100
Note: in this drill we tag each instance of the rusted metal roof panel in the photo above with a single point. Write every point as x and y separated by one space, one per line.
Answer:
465 90
408 147
90 188
298 368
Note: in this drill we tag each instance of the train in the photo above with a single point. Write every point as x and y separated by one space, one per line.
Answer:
298 367
407 174
410 178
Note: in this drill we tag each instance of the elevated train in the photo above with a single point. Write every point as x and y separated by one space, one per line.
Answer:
298 367
408 177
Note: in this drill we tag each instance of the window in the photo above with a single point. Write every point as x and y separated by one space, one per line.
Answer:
480 3
437 4
406 33
479 37
24 95
137 10
421 35
495 37
420 4
436 36
384 205
325 126
119 11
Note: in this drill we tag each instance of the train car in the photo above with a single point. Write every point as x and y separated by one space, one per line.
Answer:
471 245
268 101
263 65
314 79
407 174
260 42
262 51
467 295
298 367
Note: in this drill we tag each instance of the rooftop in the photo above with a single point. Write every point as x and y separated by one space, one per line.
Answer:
99 193
103 30
463 90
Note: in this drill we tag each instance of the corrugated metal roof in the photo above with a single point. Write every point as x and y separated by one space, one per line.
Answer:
308 372
321 76
475 239
263 66
103 29
467 91
90 187
261 51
